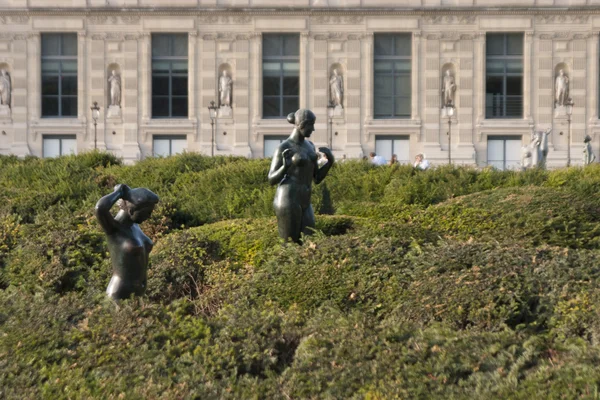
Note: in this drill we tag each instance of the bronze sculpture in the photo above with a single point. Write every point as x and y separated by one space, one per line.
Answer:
293 168
128 246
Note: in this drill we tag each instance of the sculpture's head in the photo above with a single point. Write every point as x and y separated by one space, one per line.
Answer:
304 121
587 139
335 72
561 72
114 72
447 72
140 204
224 72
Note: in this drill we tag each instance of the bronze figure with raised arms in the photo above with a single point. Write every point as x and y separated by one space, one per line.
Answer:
293 169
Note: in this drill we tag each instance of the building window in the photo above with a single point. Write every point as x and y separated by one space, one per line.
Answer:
271 144
386 146
59 75
165 146
56 146
504 152
504 75
169 75
392 76
281 74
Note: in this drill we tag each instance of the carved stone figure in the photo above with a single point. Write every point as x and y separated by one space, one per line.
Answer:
128 246
336 89
588 155
293 169
115 89
449 89
5 88
225 86
562 89
535 154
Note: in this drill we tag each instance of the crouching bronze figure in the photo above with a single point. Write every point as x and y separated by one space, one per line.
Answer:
128 246
293 168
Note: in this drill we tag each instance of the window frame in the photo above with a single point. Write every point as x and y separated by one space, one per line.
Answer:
281 59
169 75
281 139
394 58
505 75
170 138
60 58
393 138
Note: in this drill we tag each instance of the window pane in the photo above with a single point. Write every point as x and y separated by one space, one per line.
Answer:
514 67
271 45
290 105
495 150
291 45
402 107
160 45
69 44
49 85
178 146
50 66
180 86
291 68
51 148
495 85
69 146
271 144
160 66
383 147
160 107
383 106
514 43
179 67
383 85
513 153
402 66
180 107
384 66
402 45
291 86
69 85
69 66
69 106
401 150
514 85
383 45
494 67
494 44
271 107
180 45
160 86
272 69
271 86
49 106
50 43
402 87
161 148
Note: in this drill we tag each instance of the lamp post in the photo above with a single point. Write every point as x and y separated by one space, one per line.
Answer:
212 109
569 106
95 115
449 108
330 109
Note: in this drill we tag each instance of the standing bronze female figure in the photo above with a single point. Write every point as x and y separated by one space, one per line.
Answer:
128 246
294 167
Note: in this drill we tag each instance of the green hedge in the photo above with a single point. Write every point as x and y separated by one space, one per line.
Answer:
446 283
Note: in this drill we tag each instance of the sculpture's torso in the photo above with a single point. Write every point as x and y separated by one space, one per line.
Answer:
296 185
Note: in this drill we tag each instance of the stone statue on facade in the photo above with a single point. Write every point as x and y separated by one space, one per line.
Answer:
294 168
449 90
588 155
115 89
336 89
5 91
225 87
128 246
535 154
562 89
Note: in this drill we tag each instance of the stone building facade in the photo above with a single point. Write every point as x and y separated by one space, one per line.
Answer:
392 55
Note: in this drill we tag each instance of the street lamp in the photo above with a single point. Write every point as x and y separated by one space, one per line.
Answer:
330 109
449 108
95 115
569 106
212 109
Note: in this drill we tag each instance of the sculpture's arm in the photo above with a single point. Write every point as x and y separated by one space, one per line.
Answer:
321 173
279 166
103 206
